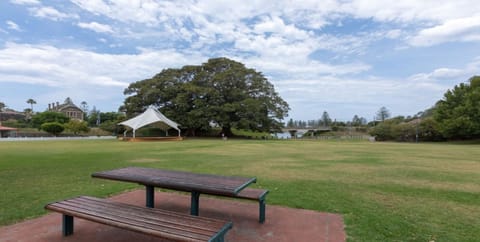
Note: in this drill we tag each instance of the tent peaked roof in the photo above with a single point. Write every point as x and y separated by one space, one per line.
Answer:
150 116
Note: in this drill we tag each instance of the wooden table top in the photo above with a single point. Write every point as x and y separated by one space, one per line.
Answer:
179 180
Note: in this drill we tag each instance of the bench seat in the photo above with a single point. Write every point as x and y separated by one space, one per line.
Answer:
252 194
156 222
257 195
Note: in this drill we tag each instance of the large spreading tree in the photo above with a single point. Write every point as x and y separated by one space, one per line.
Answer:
222 92
458 113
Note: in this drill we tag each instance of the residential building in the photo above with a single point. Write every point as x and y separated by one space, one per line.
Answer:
68 108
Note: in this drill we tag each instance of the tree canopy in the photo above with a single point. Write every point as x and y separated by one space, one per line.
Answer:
458 113
54 128
222 92
326 120
455 117
31 102
2 106
76 126
48 117
383 114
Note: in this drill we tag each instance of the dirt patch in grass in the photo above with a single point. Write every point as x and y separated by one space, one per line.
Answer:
282 168
427 209
464 187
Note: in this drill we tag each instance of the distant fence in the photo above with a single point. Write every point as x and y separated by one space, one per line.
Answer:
343 137
332 137
57 138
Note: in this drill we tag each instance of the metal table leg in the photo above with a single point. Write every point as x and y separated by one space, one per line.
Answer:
194 203
150 190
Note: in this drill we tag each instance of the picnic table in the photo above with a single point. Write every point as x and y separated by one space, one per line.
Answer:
178 180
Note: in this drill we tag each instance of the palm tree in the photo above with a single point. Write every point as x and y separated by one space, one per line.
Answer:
31 102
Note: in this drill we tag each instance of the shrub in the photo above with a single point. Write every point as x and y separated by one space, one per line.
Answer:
54 128
77 126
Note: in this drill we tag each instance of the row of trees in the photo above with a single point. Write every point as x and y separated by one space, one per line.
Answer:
407 129
55 123
226 94
455 117
326 121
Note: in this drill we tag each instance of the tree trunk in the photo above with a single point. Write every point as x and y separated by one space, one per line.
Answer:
190 132
227 132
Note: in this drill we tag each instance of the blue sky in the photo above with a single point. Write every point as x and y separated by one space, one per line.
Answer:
344 57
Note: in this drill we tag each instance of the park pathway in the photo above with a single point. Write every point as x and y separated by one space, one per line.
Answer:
282 223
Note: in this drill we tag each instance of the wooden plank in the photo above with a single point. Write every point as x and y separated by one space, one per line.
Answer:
129 223
150 221
178 180
123 225
158 212
252 194
156 215
164 221
104 211
150 175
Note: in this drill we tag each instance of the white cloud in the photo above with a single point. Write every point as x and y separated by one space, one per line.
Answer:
73 66
277 26
218 20
290 41
50 13
287 68
83 74
410 11
145 12
13 26
311 13
462 29
97 27
446 73
270 25
25 2
393 34
440 74
343 97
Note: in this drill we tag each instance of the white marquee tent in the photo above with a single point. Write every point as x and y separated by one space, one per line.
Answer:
150 116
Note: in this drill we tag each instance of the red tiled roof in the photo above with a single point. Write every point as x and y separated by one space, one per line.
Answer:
4 128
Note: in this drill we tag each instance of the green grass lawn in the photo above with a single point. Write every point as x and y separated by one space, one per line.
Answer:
384 191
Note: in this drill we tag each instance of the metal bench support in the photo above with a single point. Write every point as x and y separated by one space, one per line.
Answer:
165 224
194 203
261 217
150 190
67 225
